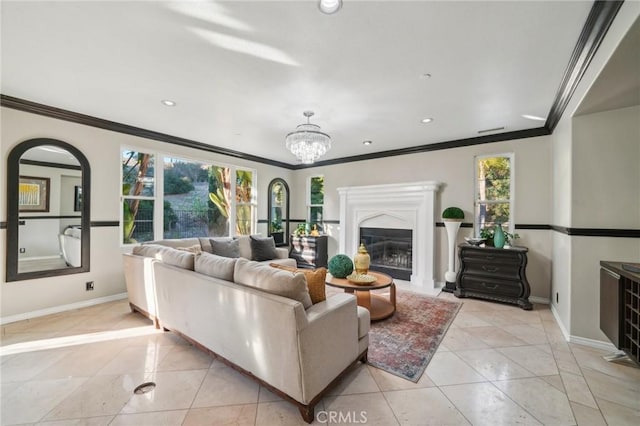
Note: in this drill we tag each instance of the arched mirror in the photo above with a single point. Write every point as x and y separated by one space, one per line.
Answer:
48 210
278 216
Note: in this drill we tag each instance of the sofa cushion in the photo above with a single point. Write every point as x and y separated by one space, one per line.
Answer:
215 266
272 280
225 247
364 322
316 279
263 248
168 255
195 249
174 242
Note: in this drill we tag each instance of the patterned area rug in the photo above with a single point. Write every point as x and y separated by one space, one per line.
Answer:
405 343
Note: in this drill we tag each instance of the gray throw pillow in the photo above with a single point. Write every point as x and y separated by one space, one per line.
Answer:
263 249
225 247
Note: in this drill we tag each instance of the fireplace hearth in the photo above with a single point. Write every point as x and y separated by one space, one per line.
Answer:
390 250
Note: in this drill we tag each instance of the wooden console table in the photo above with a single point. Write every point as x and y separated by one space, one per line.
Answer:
309 252
379 307
493 274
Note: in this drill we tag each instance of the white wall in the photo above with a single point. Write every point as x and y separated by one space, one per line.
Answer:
102 149
455 169
581 197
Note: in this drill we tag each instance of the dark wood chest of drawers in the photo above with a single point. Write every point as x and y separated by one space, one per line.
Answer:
493 274
309 252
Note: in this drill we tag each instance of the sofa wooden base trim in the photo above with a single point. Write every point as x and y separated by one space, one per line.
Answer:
135 308
307 411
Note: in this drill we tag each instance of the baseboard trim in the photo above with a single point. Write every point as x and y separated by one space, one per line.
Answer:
598 344
540 300
564 331
62 308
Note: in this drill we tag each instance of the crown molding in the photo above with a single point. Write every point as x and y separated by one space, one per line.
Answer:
593 32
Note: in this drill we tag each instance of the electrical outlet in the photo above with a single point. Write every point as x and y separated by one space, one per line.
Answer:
23 250
89 285
557 297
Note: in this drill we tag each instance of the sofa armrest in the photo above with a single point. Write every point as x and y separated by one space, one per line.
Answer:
282 253
328 342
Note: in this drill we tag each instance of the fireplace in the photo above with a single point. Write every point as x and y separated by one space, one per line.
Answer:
390 250
396 207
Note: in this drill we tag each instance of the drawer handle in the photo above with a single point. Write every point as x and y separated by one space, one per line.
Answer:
489 257
490 268
490 287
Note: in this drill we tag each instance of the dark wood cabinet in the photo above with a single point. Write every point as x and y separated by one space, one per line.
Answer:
309 252
493 274
620 307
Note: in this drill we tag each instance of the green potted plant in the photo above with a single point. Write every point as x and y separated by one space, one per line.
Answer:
275 229
453 214
487 234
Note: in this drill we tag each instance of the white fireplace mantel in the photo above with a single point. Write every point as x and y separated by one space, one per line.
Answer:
395 206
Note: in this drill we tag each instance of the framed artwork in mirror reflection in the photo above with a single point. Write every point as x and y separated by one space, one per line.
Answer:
33 194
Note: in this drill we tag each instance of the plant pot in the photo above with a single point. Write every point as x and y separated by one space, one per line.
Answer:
278 237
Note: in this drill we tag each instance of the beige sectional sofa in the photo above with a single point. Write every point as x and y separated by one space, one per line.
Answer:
254 317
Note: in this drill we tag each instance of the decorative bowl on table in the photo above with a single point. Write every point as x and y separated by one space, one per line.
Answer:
475 241
361 279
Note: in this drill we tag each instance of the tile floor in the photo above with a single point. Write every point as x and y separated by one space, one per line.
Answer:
498 365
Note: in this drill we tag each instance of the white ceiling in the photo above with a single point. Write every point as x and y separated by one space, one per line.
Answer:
242 73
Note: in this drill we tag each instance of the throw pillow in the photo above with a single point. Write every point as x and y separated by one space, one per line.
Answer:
263 249
271 280
215 266
168 255
225 247
316 279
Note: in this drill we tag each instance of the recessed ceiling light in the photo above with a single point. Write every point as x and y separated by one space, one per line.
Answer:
425 75
167 102
427 120
533 117
367 142
329 6
495 129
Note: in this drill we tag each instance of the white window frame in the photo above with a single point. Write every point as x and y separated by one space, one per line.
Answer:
158 195
512 187
153 198
309 205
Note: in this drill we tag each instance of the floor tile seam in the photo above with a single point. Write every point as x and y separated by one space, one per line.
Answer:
509 398
521 365
62 401
497 350
395 416
624 379
636 409
470 366
204 377
520 405
454 405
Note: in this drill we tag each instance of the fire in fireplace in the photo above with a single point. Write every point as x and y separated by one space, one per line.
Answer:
390 250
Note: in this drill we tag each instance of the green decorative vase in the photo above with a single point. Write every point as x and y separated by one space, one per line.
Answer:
498 236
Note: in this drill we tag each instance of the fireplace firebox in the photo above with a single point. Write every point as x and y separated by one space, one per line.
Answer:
390 250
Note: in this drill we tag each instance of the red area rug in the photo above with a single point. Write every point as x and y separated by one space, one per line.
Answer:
405 343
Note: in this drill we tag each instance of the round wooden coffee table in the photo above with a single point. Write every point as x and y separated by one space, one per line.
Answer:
379 307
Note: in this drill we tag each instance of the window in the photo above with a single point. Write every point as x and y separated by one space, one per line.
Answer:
494 191
185 199
197 199
316 200
245 202
138 196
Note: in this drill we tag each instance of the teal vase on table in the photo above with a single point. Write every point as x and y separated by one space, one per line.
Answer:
498 236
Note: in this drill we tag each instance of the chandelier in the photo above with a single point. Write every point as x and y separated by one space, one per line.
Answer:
307 142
